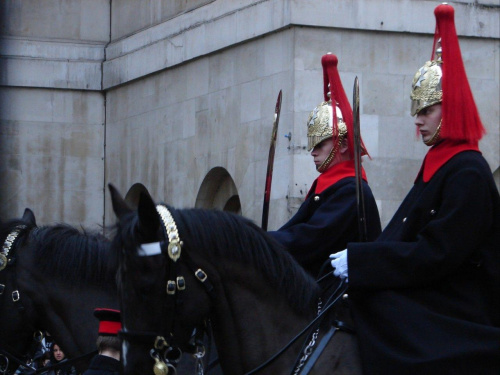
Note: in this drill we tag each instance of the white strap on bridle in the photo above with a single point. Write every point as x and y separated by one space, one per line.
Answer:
149 249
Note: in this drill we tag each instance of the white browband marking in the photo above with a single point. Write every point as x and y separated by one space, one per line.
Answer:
149 249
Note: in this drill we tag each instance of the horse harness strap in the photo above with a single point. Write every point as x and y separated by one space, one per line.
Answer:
8 258
5 261
311 361
309 348
311 354
172 246
173 250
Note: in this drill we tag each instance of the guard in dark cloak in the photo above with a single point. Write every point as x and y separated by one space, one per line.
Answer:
425 296
107 362
328 217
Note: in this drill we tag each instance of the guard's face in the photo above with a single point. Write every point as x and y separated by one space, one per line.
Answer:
321 151
428 120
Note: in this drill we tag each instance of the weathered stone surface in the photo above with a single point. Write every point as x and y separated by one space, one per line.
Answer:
167 92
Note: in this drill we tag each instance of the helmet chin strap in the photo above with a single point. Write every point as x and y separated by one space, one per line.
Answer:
326 163
435 137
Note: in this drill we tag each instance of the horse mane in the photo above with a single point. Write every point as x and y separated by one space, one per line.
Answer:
230 236
73 255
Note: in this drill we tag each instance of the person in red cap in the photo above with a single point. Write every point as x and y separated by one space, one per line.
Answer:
328 218
107 362
425 295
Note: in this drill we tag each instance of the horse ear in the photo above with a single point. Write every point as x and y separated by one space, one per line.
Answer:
134 193
29 217
120 207
148 216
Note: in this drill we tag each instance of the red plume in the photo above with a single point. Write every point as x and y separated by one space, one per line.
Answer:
331 76
461 119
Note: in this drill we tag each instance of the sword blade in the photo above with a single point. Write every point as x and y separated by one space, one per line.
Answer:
270 163
360 201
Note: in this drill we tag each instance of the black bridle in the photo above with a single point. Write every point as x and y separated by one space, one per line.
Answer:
7 260
172 247
164 350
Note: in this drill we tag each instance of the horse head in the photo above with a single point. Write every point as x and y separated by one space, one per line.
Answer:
61 274
161 299
18 324
179 267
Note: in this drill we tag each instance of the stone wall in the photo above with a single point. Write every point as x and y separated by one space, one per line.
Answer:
52 124
180 95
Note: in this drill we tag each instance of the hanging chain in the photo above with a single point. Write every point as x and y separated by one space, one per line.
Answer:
309 348
200 353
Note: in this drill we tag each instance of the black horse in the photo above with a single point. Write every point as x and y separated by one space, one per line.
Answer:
55 277
181 268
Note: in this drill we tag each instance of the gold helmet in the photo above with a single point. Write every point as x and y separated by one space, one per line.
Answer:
320 124
426 89
446 74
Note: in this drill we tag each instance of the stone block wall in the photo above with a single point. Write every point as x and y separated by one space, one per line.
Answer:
52 117
167 92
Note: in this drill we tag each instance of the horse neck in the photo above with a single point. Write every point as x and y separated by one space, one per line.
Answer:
252 321
64 309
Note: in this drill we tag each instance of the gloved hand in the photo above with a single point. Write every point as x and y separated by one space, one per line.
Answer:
339 263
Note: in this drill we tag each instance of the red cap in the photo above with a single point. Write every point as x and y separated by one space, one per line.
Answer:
339 98
109 321
461 119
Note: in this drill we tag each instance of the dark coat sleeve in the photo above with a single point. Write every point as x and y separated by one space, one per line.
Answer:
431 236
325 223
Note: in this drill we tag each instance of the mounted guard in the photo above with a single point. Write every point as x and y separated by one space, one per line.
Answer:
432 277
328 219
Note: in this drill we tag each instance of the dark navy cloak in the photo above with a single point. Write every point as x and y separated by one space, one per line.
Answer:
425 296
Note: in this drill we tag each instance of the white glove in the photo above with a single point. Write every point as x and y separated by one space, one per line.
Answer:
339 263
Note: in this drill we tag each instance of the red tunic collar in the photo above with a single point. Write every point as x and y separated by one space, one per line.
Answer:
440 153
333 175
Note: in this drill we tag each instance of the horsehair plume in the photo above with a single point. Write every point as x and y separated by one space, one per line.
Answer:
331 78
461 119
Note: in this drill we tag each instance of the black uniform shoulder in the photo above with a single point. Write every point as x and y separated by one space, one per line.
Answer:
468 159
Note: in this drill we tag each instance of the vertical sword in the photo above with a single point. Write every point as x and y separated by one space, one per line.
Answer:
360 199
270 163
